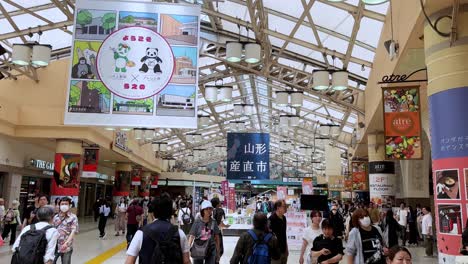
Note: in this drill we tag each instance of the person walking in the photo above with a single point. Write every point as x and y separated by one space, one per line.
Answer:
11 221
278 225
31 218
337 221
413 228
104 211
427 231
391 228
245 246
121 215
160 236
309 236
365 244
403 222
134 219
2 214
205 237
219 215
66 223
97 204
185 218
326 248
20 248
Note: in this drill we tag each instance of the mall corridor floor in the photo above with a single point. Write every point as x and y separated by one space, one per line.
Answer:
90 249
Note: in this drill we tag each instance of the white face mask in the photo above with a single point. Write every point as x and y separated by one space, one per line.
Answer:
365 222
64 208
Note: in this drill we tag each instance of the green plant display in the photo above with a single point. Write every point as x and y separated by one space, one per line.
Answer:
108 22
83 18
128 19
75 94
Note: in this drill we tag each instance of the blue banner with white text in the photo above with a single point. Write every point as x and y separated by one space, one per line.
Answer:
248 156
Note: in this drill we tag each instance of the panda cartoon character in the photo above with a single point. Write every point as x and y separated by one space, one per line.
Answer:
120 57
151 61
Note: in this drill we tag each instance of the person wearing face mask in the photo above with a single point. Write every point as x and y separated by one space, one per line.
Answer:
337 221
365 244
67 226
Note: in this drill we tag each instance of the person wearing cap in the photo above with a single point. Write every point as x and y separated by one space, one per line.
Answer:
205 228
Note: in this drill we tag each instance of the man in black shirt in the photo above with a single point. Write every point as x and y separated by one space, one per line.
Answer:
327 248
31 217
278 226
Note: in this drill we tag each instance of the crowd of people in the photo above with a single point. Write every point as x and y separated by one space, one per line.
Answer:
47 232
165 229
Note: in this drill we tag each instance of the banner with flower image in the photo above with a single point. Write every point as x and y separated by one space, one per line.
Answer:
402 121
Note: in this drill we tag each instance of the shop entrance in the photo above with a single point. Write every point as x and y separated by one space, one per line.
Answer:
30 187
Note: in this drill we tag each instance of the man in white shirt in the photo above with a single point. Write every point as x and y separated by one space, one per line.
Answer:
143 243
104 211
45 216
403 222
427 231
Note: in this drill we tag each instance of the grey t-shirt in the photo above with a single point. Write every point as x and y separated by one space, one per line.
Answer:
204 231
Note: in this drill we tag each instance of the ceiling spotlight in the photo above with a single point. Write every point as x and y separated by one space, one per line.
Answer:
321 81
233 51
41 55
252 53
21 54
339 80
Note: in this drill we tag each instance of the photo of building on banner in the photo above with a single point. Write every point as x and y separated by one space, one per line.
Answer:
248 156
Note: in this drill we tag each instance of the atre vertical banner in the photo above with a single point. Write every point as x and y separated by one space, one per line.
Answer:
248 156
90 162
66 174
402 121
382 183
359 175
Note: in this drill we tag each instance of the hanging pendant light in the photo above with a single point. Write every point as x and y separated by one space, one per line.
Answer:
281 98
21 54
374 2
163 146
321 81
238 109
233 51
293 121
197 138
41 55
284 120
340 80
225 93
252 52
138 133
211 93
155 146
248 109
296 98
189 137
149 134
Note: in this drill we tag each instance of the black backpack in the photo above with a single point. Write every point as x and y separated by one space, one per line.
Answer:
186 217
32 246
168 250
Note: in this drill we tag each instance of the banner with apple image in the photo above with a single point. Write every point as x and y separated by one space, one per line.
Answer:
402 121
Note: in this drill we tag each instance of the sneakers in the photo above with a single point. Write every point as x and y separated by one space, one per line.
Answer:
117 234
104 236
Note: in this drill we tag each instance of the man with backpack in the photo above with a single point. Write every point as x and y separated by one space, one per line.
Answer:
37 242
159 242
185 218
258 245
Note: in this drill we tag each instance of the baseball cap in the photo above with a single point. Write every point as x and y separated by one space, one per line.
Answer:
206 204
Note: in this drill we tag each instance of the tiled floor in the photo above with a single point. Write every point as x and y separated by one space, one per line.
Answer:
88 246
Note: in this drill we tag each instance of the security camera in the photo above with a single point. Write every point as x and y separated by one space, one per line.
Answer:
392 48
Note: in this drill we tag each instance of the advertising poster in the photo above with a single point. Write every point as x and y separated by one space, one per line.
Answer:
449 145
248 156
359 175
145 185
307 186
154 181
134 64
232 199
122 183
90 163
382 183
402 121
297 224
281 192
336 183
361 197
225 191
136 177
66 174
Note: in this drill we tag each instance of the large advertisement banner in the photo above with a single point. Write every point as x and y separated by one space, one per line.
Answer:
402 121
134 65
382 183
66 174
248 156
359 175
449 145
307 186
297 225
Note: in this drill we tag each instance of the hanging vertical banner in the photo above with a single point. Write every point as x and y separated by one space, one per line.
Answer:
402 122
232 199
90 163
122 183
382 183
154 181
145 184
134 64
136 177
307 186
66 174
359 175
224 191
248 156
281 192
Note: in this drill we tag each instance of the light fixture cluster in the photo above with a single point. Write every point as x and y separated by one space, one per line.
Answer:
194 137
289 120
367 2
144 133
291 98
198 153
329 129
204 120
306 150
250 52
243 109
286 145
237 126
220 150
225 92
33 53
168 163
159 146
339 80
